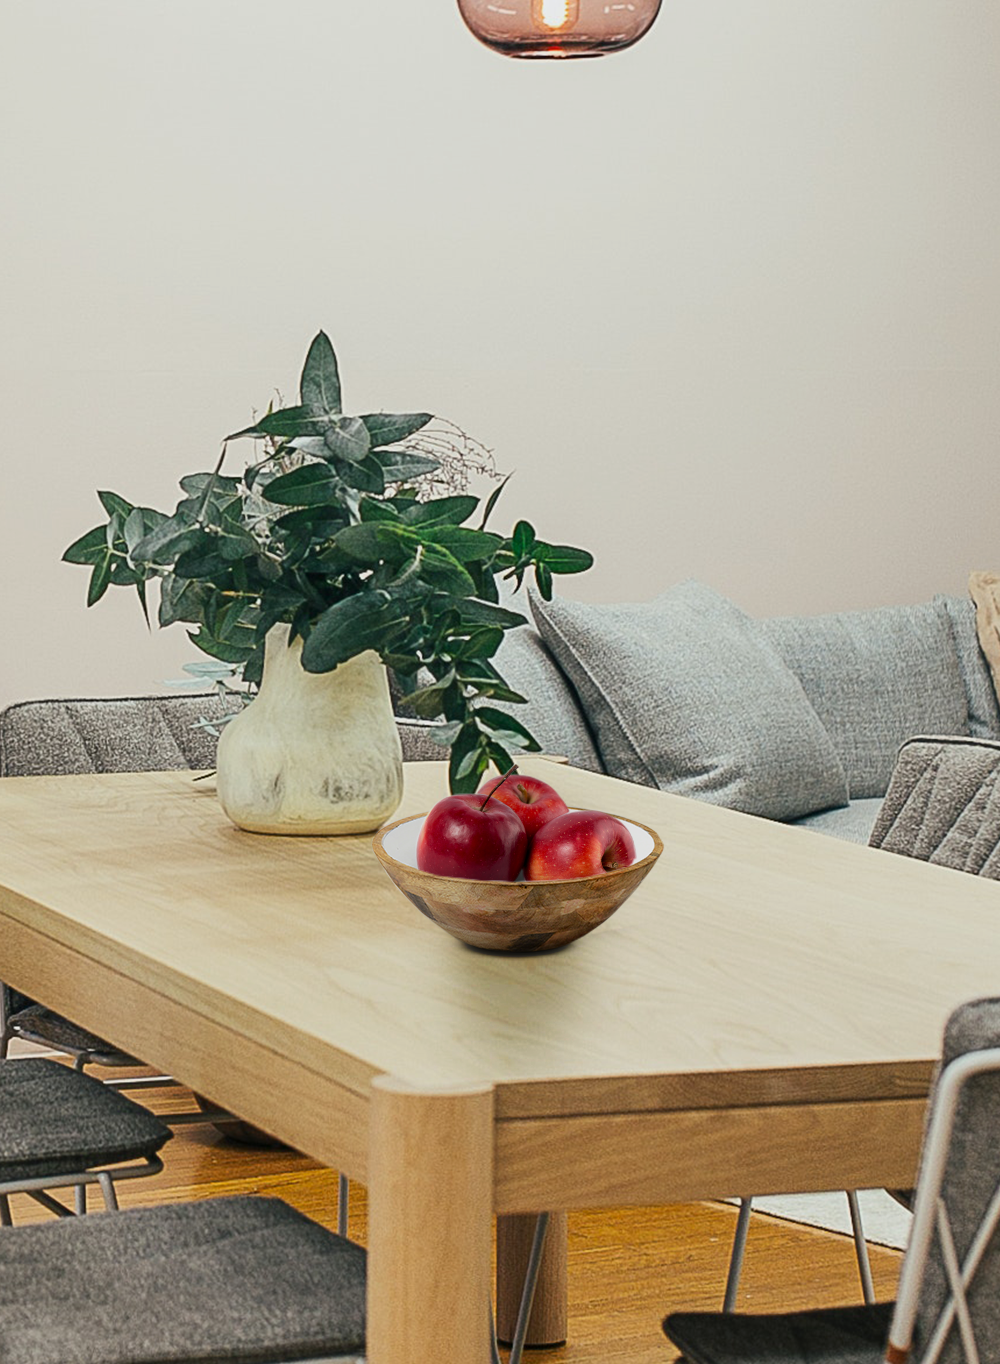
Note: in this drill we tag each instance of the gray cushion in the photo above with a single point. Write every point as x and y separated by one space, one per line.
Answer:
684 693
875 678
852 822
835 1335
245 1279
54 1120
984 712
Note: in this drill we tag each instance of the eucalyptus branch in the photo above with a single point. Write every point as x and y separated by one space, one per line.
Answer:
358 533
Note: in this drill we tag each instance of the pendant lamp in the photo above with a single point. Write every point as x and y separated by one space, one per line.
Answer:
558 28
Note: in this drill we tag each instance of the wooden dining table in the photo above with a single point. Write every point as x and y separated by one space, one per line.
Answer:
761 1016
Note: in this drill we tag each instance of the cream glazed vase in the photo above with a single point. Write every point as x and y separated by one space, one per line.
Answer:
313 753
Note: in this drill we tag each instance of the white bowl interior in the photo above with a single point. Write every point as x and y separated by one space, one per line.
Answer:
401 842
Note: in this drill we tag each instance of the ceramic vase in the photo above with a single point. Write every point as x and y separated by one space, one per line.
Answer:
313 753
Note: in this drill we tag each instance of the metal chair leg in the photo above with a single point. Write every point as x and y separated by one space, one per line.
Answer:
736 1255
5 1211
80 1199
527 1297
528 1291
343 1201
108 1190
861 1248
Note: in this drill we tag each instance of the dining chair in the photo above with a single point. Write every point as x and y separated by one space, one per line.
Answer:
240 1278
60 1129
947 1307
942 806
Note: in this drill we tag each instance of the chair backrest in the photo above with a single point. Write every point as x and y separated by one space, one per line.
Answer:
135 734
126 734
943 805
948 1305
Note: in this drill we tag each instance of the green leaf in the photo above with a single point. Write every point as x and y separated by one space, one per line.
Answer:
465 544
287 421
195 484
504 726
522 540
203 561
163 544
445 734
369 542
543 577
225 649
347 438
319 521
400 465
319 387
112 503
89 548
312 485
366 476
140 522
450 511
563 558
100 579
374 509
468 760
493 501
386 428
427 701
442 570
182 599
481 643
475 610
368 620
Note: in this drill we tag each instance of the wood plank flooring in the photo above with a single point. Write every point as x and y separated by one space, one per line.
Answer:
627 1267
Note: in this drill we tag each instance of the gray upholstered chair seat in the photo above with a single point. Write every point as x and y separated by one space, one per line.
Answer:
54 1120
38 1024
229 1279
846 1335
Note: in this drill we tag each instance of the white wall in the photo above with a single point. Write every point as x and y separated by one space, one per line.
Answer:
729 302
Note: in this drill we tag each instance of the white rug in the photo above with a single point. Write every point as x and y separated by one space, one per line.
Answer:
884 1220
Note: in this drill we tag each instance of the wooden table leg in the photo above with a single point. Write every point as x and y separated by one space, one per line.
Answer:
547 1324
430 1181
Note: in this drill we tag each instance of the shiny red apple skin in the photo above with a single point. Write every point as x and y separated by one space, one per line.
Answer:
580 843
534 802
463 837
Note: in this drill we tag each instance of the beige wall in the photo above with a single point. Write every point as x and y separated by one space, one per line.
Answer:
728 303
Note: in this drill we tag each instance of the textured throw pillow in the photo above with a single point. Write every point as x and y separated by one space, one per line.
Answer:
876 678
984 713
683 693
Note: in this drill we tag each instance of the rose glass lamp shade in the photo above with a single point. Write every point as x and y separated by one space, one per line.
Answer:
558 28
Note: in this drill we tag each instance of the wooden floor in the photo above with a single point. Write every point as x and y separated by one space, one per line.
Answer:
627 1267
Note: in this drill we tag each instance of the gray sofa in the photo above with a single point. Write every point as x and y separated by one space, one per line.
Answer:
795 718
792 718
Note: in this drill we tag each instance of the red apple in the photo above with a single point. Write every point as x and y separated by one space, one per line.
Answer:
468 836
534 802
581 843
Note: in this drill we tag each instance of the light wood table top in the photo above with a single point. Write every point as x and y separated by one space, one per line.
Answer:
768 1003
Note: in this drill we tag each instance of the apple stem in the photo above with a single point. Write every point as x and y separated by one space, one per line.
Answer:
496 786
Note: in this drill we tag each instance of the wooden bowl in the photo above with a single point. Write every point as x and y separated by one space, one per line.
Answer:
512 916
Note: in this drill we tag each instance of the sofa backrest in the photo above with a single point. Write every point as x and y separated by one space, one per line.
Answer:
875 678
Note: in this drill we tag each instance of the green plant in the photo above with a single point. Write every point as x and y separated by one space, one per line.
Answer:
337 530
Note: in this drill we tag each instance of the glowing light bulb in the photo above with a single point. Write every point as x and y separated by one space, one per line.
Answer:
558 28
555 15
